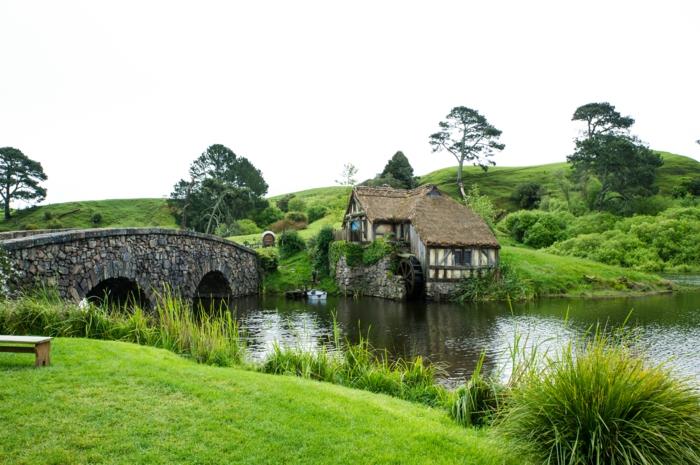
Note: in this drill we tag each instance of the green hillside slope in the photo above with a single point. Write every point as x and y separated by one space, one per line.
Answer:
114 402
500 182
114 213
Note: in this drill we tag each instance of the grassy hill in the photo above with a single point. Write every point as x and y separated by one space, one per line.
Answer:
500 182
115 213
114 402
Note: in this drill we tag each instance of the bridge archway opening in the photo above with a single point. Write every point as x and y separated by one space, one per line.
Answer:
120 292
212 291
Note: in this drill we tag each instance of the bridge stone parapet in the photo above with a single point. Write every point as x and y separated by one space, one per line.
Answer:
78 262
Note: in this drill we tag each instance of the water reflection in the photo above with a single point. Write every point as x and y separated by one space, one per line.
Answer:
668 326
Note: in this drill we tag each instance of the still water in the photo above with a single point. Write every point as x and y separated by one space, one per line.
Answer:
666 327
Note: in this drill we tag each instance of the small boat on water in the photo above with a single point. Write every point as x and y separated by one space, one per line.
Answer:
315 294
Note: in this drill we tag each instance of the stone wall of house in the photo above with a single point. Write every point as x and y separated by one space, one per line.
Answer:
77 261
375 280
440 291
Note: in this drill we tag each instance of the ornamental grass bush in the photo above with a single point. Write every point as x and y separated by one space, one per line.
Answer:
599 403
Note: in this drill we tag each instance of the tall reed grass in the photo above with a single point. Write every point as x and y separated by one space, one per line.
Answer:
210 337
359 366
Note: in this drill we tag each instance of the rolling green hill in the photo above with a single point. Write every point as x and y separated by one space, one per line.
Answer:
500 182
114 213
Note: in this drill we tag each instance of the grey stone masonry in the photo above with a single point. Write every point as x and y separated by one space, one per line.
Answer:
76 261
375 280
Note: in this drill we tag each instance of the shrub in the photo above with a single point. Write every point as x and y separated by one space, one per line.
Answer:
267 216
48 216
316 212
296 217
283 203
96 218
375 251
296 205
481 205
269 259
501 283
290 243
528 195
55 224
598 403
286 225
30 226
321 248
246 226
350 250
547 230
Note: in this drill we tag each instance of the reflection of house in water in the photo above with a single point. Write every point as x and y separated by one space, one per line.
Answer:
447 241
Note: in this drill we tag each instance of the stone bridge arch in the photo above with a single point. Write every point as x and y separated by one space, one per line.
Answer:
154 259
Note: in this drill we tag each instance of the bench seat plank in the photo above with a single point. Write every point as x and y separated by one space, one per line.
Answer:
23 339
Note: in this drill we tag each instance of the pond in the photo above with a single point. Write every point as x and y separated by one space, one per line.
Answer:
666 326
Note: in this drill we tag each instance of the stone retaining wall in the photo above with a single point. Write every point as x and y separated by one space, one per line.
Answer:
375 280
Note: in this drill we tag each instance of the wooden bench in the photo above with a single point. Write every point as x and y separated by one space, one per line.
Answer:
38 345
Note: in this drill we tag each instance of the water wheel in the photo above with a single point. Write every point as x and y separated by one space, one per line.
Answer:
412 273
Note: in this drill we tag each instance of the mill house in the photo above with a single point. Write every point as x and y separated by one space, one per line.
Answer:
444 240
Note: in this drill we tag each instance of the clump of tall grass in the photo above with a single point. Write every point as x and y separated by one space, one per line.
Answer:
210 337
359 366
597 402
478 401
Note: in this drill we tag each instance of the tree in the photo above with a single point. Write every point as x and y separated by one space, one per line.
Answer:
222 188
602 118
528 195
399 169
19 177
347 176
624 167
469 137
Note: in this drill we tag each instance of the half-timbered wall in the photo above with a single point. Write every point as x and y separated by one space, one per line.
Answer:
444 264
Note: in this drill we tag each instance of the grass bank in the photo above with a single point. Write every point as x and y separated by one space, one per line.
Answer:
113 213
543 274
114 402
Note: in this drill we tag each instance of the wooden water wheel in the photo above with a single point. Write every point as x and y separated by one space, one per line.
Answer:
412 273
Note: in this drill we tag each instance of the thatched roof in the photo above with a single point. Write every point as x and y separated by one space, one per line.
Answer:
438 219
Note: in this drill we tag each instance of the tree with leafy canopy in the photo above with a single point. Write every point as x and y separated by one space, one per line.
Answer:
222 187
469 137
624 166
347 176
19 178
399 169
528 195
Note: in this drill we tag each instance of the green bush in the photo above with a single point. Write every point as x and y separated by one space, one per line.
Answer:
375 251
30 227
96 218
350 250
598 403
269 259
289 243
247 226
267 216
537 228
283 203
55 224
287 225
48 216
528 195
296 205
316 212
296 217
322 244
501 283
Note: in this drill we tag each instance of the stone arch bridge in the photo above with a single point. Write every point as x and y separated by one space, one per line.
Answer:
94 262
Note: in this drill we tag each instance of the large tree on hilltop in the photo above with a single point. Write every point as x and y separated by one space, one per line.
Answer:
19 178
625 168
399 168
602 118
222 187
469 137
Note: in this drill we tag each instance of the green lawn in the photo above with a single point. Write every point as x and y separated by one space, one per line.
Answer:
556 275
114 402
115 213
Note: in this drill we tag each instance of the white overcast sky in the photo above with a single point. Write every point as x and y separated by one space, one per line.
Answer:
115 99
